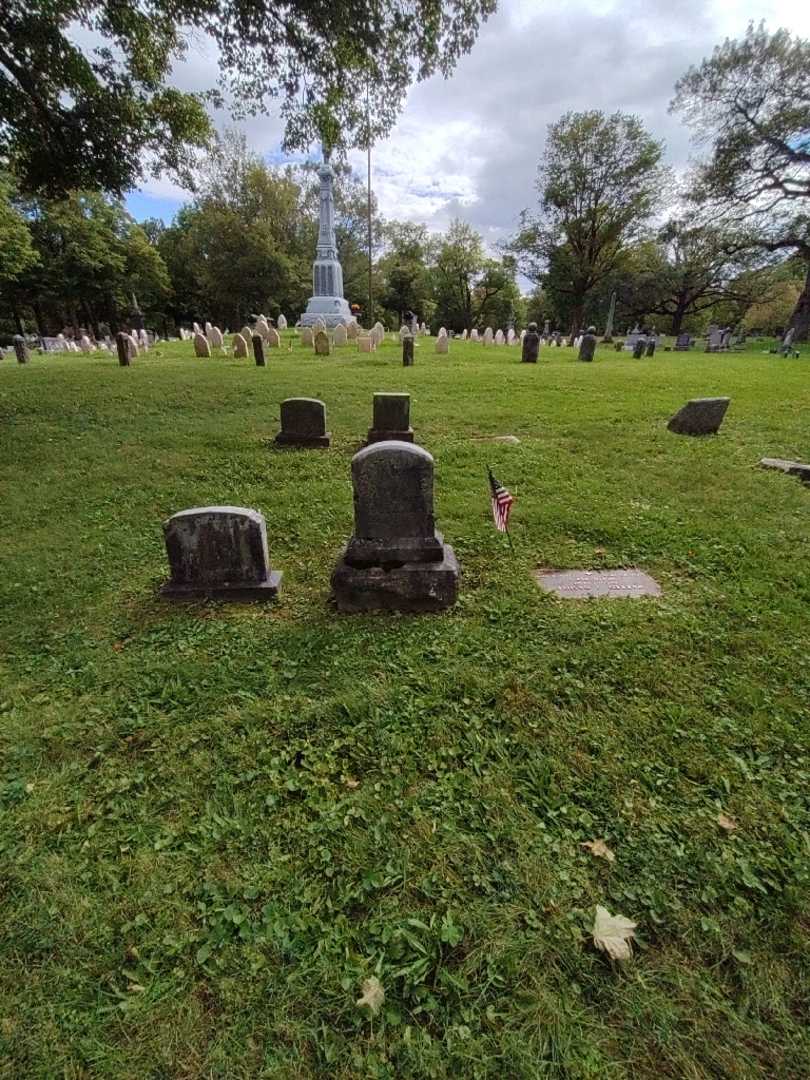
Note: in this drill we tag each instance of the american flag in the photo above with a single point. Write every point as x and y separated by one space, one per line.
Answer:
501 504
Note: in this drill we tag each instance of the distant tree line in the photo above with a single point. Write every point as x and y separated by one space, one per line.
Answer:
730 243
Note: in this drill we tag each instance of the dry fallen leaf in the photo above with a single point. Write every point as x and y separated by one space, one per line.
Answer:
727 823
351 782
600 849
613 934
373 994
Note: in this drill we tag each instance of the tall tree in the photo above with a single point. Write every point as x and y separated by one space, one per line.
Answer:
404 270
73 116
688 269
92 257
750 102
599 181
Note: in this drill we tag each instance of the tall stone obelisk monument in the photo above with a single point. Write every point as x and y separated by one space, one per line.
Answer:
327 301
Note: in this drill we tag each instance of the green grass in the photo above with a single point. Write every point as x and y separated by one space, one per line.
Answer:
218 820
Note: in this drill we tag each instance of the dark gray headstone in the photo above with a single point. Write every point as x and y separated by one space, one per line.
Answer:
587 347
618 346
701 416
582 584
21 349
639 347
303 423
531 347
651 347
391 418
407 351
682 342
219 551
395 560
258 350
122 345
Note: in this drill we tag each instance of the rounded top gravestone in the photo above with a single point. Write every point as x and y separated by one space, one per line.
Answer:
393 505
587 346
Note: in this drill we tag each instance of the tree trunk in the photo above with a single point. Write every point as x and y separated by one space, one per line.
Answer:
801 313
577 317
41 327
677 320
15 310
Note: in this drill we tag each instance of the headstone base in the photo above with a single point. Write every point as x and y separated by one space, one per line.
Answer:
380 435
308 442
410 587
261 590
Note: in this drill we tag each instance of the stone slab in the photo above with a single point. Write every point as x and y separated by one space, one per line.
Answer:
264 590
411 587
307 442
793 468
582 584
381 434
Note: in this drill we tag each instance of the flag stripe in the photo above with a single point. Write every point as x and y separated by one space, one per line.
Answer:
502 502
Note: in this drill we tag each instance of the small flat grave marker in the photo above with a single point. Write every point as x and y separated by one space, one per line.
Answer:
581 584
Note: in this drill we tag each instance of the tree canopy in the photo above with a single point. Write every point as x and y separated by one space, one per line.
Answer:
598 182
86 98
749 103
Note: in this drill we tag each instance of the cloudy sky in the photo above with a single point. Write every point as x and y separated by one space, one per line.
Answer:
469 146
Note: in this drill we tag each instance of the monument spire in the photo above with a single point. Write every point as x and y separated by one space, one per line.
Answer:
327 301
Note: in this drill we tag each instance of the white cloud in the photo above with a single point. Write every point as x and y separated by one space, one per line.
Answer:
469 146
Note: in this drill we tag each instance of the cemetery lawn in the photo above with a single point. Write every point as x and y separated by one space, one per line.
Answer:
219 820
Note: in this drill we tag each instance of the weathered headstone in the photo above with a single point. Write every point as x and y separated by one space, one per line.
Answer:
682 342
21 349
499 338
511 337
219 551
366 343
464 334
303 423
489 337
474 334
322 346
651 347
272 338
353 330
133 347
122 344
442 345
340 337
404 331
281 322
546 328
714 339
258 350
307 336
407 351
143 338
201 345
85 344
587 345
531 345
700 416
391 418
442 331
639 347
396 560
319 324
240 347
792 468
247 334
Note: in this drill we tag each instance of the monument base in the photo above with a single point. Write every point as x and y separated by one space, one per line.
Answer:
331 310
261 590
409 587
381 435
307 442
